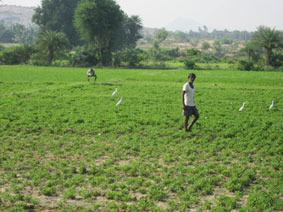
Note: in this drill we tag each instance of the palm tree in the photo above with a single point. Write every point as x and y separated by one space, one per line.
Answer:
51 42
251 50
267 38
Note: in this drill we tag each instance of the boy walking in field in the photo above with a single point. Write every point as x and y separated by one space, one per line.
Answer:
189 107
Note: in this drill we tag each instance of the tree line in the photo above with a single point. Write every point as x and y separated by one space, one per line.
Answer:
98 32
98 25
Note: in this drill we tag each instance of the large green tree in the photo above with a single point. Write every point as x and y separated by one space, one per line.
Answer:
159 37
104 24
57 16
129 33
268 39
50 43
99 22
23 34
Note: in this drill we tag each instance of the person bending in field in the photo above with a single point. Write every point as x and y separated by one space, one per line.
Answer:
189 107
91 73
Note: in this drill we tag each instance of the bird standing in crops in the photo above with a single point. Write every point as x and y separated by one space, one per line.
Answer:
242 108
114 92
120 101
271 106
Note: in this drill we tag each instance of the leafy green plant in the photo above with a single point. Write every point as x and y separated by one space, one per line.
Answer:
190 63
246 65
66 138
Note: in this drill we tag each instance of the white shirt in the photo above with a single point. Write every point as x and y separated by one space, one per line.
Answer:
189 95
90 72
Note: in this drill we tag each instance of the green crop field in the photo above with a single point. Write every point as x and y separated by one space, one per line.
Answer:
66 146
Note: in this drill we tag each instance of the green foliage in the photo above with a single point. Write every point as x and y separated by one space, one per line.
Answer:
252 51
190 63
6 33
209 58
22 34
57 16
267 38
16 55
173 53
129 33
276 59
51 43
157 194
161 35
17 33
218 48
193 52
48 191
1 47
99 22
225 204
227 41
181 37
263 201
84 56
205 46
133 57
64 138
155 51
38 59
246 65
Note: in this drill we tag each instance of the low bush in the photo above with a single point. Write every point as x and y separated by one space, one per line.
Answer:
38 59
16 55
190 63
245 65
84 56
276 59
133 57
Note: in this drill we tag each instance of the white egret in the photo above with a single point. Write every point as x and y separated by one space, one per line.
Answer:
118 103
114 92
271 106
242 108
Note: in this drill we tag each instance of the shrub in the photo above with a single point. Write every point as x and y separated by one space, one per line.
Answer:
16 55
61 63
276 59
227 41
193 52
133 57
246 65
48 191
84 56
2 47
262 201
117 59
209 58
269 68
190 63
38 59
157 194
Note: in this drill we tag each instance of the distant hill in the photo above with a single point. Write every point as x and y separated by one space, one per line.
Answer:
16 14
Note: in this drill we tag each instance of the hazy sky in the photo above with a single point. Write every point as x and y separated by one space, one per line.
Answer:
219 14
